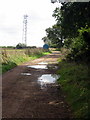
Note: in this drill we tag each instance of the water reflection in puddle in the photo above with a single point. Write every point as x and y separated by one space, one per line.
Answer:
47 79
42 63
38 66
25 74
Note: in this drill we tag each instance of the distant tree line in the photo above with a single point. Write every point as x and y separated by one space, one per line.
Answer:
18 46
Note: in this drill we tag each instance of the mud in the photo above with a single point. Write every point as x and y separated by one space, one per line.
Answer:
25 96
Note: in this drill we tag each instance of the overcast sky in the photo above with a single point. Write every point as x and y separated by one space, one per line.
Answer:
11 20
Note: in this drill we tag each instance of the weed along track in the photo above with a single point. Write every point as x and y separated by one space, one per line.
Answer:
31 90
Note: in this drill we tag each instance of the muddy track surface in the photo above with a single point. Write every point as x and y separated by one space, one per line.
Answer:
31 91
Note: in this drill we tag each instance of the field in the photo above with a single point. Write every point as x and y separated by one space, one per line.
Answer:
13 57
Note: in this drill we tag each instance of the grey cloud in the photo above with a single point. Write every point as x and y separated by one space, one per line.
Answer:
9 30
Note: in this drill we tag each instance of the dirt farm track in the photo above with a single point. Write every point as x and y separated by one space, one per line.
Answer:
26 95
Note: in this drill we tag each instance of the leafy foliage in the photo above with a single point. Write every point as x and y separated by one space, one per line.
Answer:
80 46
73 20
69 19
54 35
72 16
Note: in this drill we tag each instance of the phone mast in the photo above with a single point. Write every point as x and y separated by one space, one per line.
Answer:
24 36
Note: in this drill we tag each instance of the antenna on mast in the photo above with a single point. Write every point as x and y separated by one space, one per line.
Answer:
24 36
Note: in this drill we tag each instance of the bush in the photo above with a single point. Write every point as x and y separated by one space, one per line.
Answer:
20 46
80 46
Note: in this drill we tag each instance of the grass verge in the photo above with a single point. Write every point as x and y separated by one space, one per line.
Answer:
11 59
74 80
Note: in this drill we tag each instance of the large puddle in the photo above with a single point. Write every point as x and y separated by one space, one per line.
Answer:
42 63
46 79
38 66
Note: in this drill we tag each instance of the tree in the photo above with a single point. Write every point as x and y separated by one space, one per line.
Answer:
45 39
20 46
54 35
72 16
73 21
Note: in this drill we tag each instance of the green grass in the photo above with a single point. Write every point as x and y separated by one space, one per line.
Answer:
11 59
8 66
74 80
